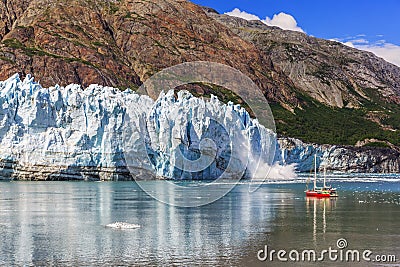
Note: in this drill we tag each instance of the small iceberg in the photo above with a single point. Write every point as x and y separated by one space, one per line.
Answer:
123 225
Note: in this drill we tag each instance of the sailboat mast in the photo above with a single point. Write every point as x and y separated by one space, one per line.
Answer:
315 170
324 177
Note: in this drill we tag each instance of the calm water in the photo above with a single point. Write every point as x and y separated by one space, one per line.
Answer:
63 223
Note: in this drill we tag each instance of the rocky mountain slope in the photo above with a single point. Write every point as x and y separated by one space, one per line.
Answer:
121 43
320 91
328 71
359 92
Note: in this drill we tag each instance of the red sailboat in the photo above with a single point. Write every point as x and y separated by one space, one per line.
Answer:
320 192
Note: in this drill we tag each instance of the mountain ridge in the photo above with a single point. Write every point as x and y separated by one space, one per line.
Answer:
355 92
122 43
269 38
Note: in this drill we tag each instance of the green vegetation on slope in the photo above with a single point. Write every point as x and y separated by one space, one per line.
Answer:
319 123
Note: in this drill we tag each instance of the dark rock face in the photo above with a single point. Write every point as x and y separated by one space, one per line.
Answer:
12 170
328 71
122 43
338 158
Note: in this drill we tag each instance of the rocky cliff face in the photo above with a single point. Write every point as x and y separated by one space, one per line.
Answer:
337 158
328 71
121 43
355 87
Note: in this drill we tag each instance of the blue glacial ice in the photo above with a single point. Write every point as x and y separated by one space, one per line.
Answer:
44 131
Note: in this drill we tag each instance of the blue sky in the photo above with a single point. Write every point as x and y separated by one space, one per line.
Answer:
371 25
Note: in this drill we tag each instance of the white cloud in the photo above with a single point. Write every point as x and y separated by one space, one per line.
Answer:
284 21
360 41
242 14
281 20
389 52
352 42
381 48
349 44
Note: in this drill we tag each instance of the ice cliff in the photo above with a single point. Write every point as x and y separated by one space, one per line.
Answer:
104 133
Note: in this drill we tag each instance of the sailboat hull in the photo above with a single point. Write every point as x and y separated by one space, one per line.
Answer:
317 194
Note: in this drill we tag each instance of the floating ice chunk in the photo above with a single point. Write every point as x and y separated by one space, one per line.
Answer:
123 225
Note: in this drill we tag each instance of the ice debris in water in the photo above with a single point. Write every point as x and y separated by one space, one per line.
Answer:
123 225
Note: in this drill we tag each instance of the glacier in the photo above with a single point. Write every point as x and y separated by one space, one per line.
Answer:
336 158
103 133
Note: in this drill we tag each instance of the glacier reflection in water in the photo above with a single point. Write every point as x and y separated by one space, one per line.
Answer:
45 223
63 223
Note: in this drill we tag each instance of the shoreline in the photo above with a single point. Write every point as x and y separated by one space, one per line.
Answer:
126 177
